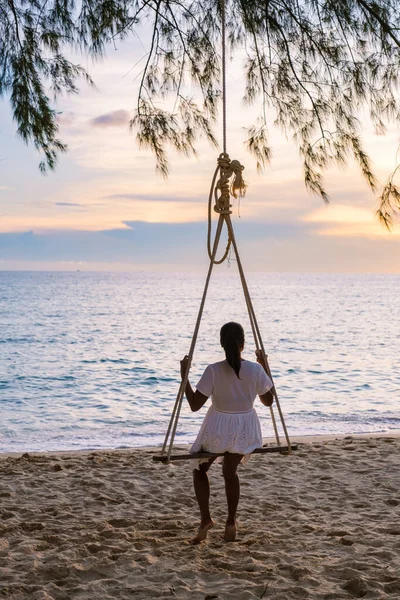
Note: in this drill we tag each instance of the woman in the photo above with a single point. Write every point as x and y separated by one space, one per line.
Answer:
231 423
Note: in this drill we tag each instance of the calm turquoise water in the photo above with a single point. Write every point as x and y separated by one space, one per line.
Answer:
91 360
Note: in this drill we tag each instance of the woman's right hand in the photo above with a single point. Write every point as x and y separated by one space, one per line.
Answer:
261 358
184 364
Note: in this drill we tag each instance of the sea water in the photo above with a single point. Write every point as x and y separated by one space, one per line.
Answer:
91 360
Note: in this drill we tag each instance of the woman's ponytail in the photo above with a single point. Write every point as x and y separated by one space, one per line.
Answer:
232 341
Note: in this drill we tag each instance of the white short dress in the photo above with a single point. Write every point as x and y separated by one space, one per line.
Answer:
231 423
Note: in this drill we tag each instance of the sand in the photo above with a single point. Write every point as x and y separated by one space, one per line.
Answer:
323 523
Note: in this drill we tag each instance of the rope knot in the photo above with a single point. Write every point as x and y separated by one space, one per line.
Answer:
237 187
224 161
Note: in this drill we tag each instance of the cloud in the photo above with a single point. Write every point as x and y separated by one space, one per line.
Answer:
275 247
6 188
155 197
136 242
111 119
70 204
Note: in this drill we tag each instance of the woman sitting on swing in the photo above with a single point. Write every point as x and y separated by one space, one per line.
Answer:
231 423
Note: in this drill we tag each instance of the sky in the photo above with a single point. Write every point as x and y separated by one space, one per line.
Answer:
105 208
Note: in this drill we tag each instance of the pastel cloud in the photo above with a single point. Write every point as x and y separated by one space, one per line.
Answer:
97 216
114 118
155 197
73 204
274 247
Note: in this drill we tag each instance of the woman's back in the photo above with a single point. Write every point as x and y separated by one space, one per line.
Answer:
228 392
231 427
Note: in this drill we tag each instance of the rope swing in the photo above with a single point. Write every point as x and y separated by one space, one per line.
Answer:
227 181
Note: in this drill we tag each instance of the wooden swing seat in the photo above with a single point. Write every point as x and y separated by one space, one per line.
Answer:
263 450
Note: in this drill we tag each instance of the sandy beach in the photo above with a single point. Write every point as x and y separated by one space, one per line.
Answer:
323 523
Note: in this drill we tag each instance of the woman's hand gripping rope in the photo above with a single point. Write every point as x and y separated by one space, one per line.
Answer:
184 364
261 359
195 398
268 398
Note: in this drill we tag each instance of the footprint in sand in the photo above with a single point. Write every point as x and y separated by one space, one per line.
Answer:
120 523
356 587
392 502
392 587
32 526
94 548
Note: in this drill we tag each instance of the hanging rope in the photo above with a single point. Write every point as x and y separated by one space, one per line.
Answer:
221 190
223 36
178 403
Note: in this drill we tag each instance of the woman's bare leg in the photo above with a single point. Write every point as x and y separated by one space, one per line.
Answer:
232 489
202 491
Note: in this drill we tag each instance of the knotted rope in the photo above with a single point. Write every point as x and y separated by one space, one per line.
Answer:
221 191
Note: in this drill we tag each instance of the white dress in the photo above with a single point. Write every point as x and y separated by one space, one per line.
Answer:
231 423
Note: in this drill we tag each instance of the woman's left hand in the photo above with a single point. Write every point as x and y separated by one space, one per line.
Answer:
184 364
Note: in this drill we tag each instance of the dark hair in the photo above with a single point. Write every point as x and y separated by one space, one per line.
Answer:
232 341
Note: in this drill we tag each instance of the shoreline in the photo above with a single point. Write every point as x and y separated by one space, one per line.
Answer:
296 439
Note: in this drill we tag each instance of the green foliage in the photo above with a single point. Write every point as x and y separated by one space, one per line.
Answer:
318 65
34 37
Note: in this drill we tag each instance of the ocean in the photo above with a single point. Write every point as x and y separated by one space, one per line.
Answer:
91 360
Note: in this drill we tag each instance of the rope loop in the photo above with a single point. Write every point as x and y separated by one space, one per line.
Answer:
222 190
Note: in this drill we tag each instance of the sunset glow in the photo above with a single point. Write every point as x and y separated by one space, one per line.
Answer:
106 184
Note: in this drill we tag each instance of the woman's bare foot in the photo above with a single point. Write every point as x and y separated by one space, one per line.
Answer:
230 531
202 533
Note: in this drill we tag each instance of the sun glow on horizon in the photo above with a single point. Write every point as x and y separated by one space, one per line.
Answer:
105 183
350 221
